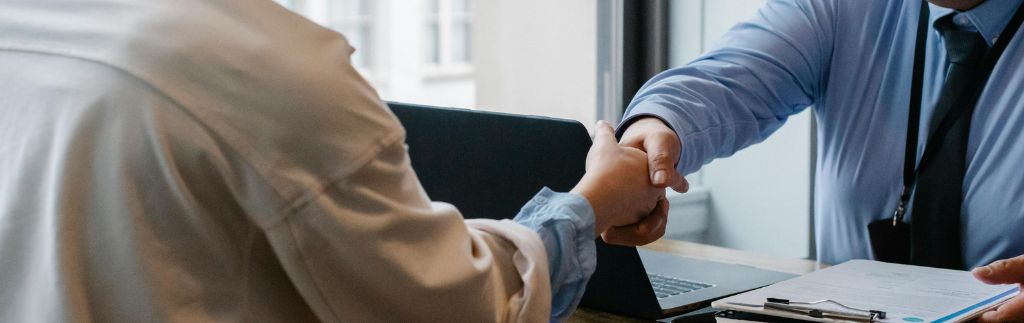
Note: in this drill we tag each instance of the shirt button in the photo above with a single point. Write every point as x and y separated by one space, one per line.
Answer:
962 21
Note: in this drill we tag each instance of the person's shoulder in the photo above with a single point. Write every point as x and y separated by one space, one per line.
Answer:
276 86
233 49
279 85
205 54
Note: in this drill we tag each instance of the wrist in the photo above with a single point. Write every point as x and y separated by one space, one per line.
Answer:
592 197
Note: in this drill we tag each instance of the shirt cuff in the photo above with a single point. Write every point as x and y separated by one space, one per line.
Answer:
565 224
688 161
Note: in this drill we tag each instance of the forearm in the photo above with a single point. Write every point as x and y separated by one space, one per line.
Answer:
762 72
712 118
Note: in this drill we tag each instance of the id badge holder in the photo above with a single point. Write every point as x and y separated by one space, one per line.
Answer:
890 238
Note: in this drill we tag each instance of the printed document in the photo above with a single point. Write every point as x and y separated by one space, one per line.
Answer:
906 293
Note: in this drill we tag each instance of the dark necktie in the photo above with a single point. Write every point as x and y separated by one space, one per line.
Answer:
935 225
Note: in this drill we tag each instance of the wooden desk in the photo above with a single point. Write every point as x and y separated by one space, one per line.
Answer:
708 252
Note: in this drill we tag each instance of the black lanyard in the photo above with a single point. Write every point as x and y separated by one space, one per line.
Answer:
964 103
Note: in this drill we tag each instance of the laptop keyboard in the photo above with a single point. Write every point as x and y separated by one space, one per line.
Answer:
666 286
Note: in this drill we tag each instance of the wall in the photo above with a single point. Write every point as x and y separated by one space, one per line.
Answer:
537 57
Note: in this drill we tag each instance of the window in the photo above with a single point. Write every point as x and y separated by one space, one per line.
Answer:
447 36
460 32
432 32
526 56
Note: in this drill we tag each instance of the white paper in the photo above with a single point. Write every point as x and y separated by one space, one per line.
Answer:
905 293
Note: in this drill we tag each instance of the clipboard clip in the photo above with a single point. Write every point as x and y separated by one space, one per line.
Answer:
810 309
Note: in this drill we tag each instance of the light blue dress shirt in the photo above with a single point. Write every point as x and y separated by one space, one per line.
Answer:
852 62
565 223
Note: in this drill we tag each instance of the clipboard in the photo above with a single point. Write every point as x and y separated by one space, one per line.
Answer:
873 291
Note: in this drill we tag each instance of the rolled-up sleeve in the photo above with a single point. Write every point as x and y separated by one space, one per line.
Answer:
565 223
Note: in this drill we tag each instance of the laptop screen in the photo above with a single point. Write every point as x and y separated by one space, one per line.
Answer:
490 164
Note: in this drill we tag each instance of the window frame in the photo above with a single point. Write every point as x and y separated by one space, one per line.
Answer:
446 18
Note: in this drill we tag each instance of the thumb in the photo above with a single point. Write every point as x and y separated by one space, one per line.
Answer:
662 154
604 134
1006 271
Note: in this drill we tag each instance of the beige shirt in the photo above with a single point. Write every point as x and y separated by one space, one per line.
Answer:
195 160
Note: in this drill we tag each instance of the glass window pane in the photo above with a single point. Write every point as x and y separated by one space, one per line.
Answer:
363 7
460 6
431 6
431 43
347 9
460 42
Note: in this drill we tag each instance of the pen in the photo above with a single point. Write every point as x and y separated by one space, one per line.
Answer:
806 308
821 314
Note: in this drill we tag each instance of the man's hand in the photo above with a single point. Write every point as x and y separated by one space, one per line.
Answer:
1006 271
646 231
662 146
627 208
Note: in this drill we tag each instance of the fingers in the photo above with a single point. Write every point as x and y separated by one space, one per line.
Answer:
1006 271
681 185
1011 311
646 231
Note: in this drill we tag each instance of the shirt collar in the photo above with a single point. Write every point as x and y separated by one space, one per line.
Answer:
989 18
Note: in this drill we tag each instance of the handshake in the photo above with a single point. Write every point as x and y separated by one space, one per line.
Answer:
625 182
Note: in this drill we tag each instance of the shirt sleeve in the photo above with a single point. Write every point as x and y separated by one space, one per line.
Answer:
565 223
373 247
761 72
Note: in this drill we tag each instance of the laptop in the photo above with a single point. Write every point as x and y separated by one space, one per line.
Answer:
490 164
